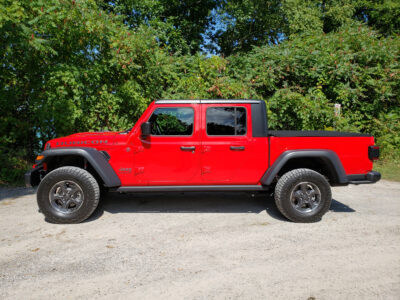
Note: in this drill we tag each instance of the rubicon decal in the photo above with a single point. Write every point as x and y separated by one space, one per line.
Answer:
90 142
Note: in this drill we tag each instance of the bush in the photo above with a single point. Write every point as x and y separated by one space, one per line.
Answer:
292 110
13 166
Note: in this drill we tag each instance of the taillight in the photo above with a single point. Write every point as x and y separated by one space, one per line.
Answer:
373 152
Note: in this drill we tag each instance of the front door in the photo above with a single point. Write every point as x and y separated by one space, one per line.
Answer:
171 154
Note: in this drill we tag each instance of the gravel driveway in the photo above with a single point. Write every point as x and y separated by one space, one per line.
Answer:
203 246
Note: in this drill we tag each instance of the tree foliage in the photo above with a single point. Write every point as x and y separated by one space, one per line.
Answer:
178 25
257 22
74 65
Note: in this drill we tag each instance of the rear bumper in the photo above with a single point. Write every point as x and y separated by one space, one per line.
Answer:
370 177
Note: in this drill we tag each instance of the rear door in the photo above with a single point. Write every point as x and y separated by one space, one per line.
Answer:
229 154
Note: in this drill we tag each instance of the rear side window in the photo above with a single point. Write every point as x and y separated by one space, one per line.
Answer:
226 121
172 121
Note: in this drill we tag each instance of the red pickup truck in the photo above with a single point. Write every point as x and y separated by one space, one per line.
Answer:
201 145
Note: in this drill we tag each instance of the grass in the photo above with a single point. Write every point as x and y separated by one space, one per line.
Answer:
390 170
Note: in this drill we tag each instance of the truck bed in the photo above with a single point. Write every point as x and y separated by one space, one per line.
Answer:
314 133
351 148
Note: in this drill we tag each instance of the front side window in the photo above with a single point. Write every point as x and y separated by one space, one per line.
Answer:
172 121
226 121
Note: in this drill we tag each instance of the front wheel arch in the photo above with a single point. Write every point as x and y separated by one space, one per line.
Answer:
98 160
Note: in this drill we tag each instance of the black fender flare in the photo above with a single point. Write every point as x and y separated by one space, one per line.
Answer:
329 157
96 159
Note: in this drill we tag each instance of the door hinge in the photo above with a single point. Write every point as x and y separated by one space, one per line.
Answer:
205 170
206 149
138 149
139 170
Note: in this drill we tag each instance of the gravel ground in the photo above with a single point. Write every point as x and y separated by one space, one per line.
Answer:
203 246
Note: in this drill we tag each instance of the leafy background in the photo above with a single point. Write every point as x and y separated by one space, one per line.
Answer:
70 66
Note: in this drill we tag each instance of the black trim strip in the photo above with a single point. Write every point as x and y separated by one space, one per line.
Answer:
192 188
314 133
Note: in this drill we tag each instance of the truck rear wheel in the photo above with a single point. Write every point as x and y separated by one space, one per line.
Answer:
68 195
303 195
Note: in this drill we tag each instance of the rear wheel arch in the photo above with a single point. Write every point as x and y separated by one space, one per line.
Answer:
318 164
325 162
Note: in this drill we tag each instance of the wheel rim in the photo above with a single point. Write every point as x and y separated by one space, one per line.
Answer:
66 196
305 197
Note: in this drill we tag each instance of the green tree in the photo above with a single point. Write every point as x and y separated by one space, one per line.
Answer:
252 23
178 25
246 23
383 15
68 66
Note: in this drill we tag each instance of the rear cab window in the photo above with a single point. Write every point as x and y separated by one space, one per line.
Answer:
226 121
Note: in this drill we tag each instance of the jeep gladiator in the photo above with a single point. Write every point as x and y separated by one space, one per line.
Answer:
201 145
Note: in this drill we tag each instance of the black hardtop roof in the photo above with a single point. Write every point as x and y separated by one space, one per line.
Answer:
204 101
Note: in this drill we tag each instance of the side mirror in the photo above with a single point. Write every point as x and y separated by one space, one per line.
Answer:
146 129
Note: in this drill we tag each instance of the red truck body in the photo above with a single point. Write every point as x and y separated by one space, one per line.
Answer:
201 145
159 160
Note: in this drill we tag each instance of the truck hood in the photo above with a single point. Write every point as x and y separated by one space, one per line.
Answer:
84 139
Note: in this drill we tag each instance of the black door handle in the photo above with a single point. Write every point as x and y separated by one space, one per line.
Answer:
190 148
237 148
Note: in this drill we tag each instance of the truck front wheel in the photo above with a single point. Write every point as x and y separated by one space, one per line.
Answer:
303 195
68 195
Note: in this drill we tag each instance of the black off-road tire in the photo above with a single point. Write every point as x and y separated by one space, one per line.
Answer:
286 185
87 184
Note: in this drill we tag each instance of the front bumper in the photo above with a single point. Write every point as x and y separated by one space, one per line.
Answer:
32 177
370 177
